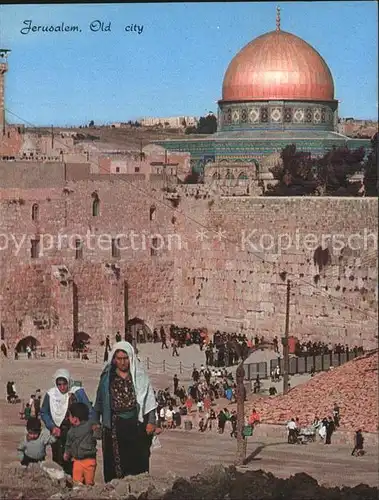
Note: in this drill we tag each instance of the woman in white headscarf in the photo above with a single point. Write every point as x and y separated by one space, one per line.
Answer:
54 413
126 405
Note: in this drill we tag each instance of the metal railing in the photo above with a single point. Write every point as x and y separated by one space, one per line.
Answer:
98 357
299 365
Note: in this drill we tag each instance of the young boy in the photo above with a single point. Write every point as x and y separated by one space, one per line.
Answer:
32 448
27 411
81 445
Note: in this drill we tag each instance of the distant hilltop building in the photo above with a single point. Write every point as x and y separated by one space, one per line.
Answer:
278 90
169 121
152 161
357 128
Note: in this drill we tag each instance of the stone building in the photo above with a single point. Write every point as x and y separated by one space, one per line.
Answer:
153 160
169 121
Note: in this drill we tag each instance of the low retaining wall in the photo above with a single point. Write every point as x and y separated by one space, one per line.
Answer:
279 431
338 437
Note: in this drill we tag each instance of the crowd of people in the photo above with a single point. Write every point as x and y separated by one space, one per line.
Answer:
201 394
199 399
317 348
226 349
223 350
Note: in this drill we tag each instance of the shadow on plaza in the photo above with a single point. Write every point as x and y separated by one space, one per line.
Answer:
254 454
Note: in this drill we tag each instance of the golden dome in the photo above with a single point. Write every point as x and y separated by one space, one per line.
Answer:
278 65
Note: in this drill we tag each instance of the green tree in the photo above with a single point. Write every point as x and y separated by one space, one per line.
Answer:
206 125
300 174
336 167
295 174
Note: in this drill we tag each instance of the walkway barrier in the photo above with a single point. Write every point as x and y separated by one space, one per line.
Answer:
299 365
165 367
98 357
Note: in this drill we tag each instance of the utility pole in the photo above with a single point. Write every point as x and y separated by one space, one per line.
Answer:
240 396
285 341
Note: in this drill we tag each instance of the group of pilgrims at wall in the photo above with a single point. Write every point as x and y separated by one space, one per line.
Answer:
222 349
310 348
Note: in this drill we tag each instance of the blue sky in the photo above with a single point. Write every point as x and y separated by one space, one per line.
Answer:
176 65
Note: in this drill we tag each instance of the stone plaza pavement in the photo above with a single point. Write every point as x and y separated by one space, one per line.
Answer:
186 452
158 362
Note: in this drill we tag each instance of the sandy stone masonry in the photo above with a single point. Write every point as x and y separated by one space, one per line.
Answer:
227 285
211 280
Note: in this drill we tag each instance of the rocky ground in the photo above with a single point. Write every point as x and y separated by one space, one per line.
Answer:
218 483
353 386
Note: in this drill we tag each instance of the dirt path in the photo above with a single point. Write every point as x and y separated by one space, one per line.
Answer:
189 452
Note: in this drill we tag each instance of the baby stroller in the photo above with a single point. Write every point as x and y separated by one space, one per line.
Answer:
12 397
306 435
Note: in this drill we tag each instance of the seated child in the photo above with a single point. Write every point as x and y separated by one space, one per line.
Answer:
32 448
81 445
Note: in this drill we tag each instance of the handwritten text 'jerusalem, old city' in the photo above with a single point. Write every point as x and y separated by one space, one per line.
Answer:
94 26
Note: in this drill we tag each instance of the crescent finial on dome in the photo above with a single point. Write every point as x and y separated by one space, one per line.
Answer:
278 18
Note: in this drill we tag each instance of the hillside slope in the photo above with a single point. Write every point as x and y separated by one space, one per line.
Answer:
353 386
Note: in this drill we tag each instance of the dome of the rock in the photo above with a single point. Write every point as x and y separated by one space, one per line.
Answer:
277 91
278 66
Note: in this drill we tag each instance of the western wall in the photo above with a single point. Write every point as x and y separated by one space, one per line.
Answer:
211 270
